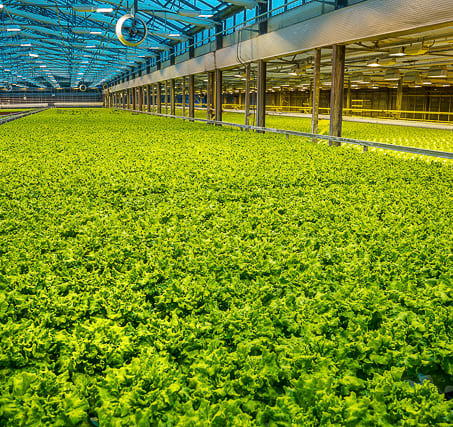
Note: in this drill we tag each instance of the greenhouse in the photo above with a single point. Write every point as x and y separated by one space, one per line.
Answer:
226 213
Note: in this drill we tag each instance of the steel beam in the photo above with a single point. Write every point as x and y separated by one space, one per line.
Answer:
218 95
246 95
337 91
348 96
191 96
183 98
142 102
210 96
316 85
172 97
159 98
399 98
166 96
261 95
148 97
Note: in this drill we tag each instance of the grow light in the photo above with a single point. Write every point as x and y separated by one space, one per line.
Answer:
373 63
437 73
397 51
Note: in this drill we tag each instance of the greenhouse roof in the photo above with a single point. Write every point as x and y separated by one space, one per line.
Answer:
59 43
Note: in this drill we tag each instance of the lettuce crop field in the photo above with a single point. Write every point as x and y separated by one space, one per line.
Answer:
159 272
432 139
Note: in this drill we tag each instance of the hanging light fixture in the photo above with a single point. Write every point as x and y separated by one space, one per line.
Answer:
373 63
416 49
387 62
392 75
397 51
437 72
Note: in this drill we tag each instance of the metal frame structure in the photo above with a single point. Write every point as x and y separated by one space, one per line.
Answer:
57 43
417 39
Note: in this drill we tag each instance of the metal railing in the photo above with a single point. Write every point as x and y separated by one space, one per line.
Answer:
413 115
19 115
330 139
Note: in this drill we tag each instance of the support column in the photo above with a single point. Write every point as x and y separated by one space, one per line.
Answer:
218 95
143 99
159 98
247 95
210 96
261 95
148 98
316 91
172 98
191 96
140 98
348 97
183 99
166 96
337 91
134 98
399 98
129 103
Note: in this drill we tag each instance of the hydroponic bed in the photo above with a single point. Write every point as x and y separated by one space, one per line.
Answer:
432 139
159 272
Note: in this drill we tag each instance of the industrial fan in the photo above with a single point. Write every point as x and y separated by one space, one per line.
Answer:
130 29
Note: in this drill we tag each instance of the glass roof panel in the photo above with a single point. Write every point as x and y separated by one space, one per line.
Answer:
61 43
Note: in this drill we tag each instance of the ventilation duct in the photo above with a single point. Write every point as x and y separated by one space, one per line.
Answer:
360 78
437 72
411 77
387 62
392 75
397 51
416 49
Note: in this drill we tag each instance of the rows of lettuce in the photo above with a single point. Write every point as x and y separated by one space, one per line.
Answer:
432 139
155 272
